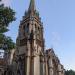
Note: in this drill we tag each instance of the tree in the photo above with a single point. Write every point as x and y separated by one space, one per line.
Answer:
69 72
7 15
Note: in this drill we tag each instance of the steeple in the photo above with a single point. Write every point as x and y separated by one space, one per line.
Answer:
32 6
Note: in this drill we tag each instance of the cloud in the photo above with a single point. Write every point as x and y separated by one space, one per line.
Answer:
6 2
55 39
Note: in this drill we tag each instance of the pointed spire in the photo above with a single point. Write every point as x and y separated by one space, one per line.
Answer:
32 6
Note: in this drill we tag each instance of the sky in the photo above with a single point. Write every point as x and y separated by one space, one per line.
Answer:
58 17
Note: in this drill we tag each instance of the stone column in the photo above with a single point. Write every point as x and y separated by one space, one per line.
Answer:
10 61
44 71
37 65
46 66
63 71
59 69
28 58
50 66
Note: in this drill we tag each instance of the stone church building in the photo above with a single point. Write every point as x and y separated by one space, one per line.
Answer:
30 57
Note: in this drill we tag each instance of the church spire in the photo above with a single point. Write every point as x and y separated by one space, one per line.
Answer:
32 6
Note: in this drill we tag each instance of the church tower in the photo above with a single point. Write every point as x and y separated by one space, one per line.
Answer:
30 43
31 58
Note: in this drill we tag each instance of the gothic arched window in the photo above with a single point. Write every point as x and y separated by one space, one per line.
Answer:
38 32
26 28
35 29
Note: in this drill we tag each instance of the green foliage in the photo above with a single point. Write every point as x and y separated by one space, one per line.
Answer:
2 37
3 29
7 15
10 43
69 72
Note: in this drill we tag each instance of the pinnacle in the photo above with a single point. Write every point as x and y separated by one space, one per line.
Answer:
32 6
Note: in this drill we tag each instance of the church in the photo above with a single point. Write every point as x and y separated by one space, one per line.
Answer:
30 56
